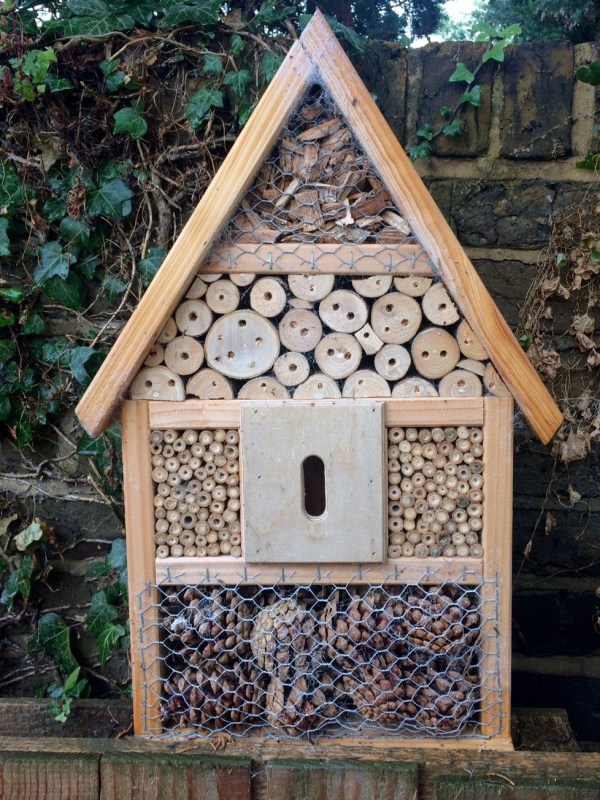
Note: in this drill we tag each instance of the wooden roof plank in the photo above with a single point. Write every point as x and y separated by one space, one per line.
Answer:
97 407
430 227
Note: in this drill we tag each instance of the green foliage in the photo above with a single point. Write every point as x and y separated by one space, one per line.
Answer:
129 120
63 694
201 104
452 118
18 583
576 21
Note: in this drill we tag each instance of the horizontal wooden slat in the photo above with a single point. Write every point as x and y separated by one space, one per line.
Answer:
434 411
400 260
431 411
194 414
233 571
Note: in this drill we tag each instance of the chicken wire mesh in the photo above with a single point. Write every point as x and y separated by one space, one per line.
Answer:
390 659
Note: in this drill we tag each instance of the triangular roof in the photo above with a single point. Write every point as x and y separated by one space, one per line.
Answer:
317 57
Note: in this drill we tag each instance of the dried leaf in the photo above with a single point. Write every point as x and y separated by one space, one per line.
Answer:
550 523
575 448
5 523
574 496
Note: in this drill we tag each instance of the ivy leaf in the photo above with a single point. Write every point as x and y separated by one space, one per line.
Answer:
6 318
31 534
88 8
54 262
100 614
236 44
14 294
473 97
56 84
245 113
425 132
453 128
18 582
34 324
11 191
113 287
117 558
54 636
511 31
4 240
203 12
149 266
65 291
111 199
270 65
129 120
238 81
8 348
109 640
462 73
590 74
96 26
591 162
200 105
485 32
422 150
212 65
75 231
79 357
496 52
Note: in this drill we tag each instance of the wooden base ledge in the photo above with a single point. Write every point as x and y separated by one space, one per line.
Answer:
233 571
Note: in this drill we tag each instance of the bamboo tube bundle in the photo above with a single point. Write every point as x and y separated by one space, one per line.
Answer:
435 492
197 492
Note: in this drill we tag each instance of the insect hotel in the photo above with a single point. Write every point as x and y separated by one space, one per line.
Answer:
317 443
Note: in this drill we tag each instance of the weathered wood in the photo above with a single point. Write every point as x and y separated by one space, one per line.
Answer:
392 362
268 297
497 786
438 307
434 352
312 286
430 227
296 258
281 521
495 666
27 716
193 317
230 571
222 296
291 369
396 318
40 776
207 384
469 344
300 330
401 411
242 345
413 285
317 387
460 383
369 341
343 311
366 383
179 269
175 778
414 388
372 287
338 355
138 490
157 383
334 780
263 388
184 355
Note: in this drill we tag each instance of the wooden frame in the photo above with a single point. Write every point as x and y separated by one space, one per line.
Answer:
317 56
491 572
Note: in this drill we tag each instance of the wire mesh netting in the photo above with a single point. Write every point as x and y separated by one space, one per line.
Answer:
317 208
376 660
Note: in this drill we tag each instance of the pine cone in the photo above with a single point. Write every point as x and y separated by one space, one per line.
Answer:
283 640
305 704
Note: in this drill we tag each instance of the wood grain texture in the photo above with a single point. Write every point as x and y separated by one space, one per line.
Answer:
143 596
281 521
497 565
231 571
432 411
497 786
430 227
96 408
402 260
181 778
43 776
335 780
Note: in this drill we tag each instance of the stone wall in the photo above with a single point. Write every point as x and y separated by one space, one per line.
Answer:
500 185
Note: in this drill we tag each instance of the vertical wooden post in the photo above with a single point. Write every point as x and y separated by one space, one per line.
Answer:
497 567
143 595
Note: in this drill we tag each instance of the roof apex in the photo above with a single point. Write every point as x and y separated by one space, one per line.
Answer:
317 56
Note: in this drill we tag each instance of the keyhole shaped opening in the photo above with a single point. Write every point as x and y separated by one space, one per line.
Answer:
313 487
